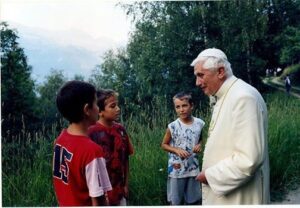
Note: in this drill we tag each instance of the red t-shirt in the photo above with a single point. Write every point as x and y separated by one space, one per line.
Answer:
115 144
79 170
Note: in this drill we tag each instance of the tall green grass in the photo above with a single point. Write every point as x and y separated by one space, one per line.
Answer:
26 171
26 163
284 142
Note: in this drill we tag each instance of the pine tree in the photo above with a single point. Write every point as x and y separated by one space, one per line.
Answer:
17 88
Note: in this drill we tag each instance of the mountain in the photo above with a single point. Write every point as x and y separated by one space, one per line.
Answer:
72 51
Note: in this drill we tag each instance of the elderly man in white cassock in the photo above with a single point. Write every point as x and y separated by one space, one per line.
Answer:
235 167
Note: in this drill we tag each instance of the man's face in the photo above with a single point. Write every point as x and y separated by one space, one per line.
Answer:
209 81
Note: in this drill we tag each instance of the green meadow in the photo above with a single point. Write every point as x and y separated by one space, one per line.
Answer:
26 163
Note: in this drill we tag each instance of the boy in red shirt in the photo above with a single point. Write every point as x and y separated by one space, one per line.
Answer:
79 172
112 137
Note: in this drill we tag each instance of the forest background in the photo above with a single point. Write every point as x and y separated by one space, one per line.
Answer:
155 65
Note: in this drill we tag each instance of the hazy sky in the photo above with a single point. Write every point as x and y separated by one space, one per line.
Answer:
96 25
98 18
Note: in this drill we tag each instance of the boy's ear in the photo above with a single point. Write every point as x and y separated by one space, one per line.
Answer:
192 106
86 109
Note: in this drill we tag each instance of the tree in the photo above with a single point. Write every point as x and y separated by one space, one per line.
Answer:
17 88
239 27
47 99
162 48
115 73
169 35
281 14
290 52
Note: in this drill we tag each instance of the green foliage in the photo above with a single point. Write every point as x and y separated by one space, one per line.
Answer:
290 52
26 170
78 77
281 13
160 50
47 99
115 73
17 88
169 35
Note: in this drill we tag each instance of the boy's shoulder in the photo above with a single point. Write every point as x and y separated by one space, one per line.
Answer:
198 120
96 127
71 141
173 124
119 126
177 123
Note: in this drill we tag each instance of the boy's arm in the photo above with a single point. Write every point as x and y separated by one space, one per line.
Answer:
99 201
198 147
165 145
130 147
97 181
126 190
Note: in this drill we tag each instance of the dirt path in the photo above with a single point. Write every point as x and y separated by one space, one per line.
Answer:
275 83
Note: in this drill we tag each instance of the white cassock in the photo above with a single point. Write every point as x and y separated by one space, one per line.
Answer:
236 160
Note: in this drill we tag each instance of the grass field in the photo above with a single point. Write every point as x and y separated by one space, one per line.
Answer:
26 163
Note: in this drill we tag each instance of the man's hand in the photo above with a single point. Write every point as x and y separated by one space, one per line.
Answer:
201 177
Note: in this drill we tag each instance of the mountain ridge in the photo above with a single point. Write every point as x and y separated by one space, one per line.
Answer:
72 51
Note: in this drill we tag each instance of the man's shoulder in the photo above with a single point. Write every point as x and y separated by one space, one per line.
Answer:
244 94
243 90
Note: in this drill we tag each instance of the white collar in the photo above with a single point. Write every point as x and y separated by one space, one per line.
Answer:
225 86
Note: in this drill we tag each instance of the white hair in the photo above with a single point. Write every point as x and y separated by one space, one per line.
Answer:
212 63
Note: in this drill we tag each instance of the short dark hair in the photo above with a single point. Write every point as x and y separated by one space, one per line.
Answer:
72 97
103 95
184 96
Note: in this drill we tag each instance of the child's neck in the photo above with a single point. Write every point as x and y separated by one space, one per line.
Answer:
106 123
187 120
80 129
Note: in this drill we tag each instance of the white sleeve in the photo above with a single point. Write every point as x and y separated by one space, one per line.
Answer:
97 177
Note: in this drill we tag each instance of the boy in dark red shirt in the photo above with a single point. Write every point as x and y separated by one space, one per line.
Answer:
79 171
113 139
